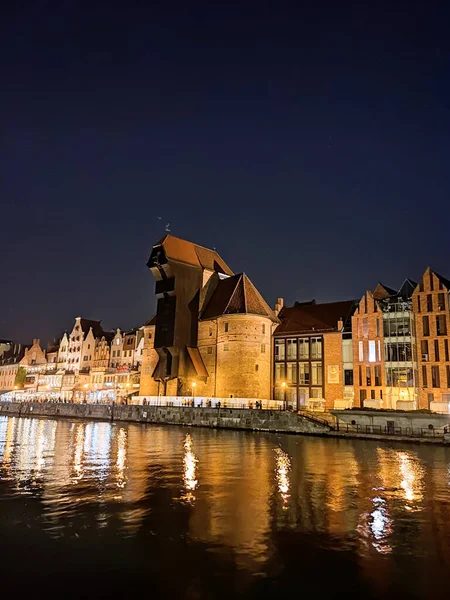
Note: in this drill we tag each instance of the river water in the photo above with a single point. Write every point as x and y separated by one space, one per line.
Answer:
100 510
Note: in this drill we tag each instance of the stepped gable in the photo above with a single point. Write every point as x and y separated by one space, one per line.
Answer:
237 295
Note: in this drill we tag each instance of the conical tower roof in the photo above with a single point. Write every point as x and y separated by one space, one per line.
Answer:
237 295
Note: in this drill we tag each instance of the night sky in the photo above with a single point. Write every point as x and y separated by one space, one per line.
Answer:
308 142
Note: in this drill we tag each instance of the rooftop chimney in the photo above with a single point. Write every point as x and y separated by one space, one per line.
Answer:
278 306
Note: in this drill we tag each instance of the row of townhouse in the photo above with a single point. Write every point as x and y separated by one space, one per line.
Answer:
87 364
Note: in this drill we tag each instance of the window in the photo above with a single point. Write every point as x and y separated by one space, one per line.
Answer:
303 373
348 376
441 325
372 351
114 353
436 350
256 367
421 285
279 372
361 351
209 350
225 347
291 349
280 353
149 336
85 358
372 394
118 352
378 327
263 329
368 377
426 325
303 348
377 375
210 332
365 327
316 393
379 350
429 303
316 347
291 372
441 301
435 377
117 341
446 350
226 327
263 348
418 303
360 375
316 373
431 281
424 349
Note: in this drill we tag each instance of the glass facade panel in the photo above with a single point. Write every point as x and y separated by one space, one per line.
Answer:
316 348
280 353
291 349
291 372
303 373
316 373
303 348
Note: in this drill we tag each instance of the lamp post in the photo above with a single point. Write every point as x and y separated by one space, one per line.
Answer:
194 384
283 387
85 388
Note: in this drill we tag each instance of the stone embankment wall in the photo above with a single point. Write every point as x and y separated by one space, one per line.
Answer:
223 418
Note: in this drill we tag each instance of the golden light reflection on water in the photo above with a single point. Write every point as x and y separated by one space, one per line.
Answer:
121 457
282 468
190 465
411 478
78 452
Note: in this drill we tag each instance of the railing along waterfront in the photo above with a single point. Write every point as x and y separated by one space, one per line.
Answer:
205 402
423 432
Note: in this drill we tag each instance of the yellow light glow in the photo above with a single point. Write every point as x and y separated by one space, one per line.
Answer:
194 384
283 384
190 464
282 468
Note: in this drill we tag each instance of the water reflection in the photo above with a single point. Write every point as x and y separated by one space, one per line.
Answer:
282 468
369 499
189 464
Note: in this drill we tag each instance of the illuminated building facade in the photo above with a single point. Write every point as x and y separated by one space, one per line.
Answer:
212 329
312 360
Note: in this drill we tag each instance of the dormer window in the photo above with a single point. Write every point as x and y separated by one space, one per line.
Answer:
226 327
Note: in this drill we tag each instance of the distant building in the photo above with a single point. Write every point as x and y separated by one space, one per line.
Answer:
10 357
211 335
313 363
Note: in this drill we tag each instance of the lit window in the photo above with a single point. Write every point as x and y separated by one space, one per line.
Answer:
361 351
372 351
118 341
226 327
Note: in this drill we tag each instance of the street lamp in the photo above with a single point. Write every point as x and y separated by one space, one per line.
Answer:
194 384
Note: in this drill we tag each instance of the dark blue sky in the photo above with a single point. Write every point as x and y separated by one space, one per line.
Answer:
307 141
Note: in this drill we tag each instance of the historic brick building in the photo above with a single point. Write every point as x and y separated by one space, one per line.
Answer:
432 319
211 335
313 364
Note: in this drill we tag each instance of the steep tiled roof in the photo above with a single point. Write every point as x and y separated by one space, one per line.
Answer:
407 289
193 254
309 318
97 328
236 295
383 291
443 280
151 321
